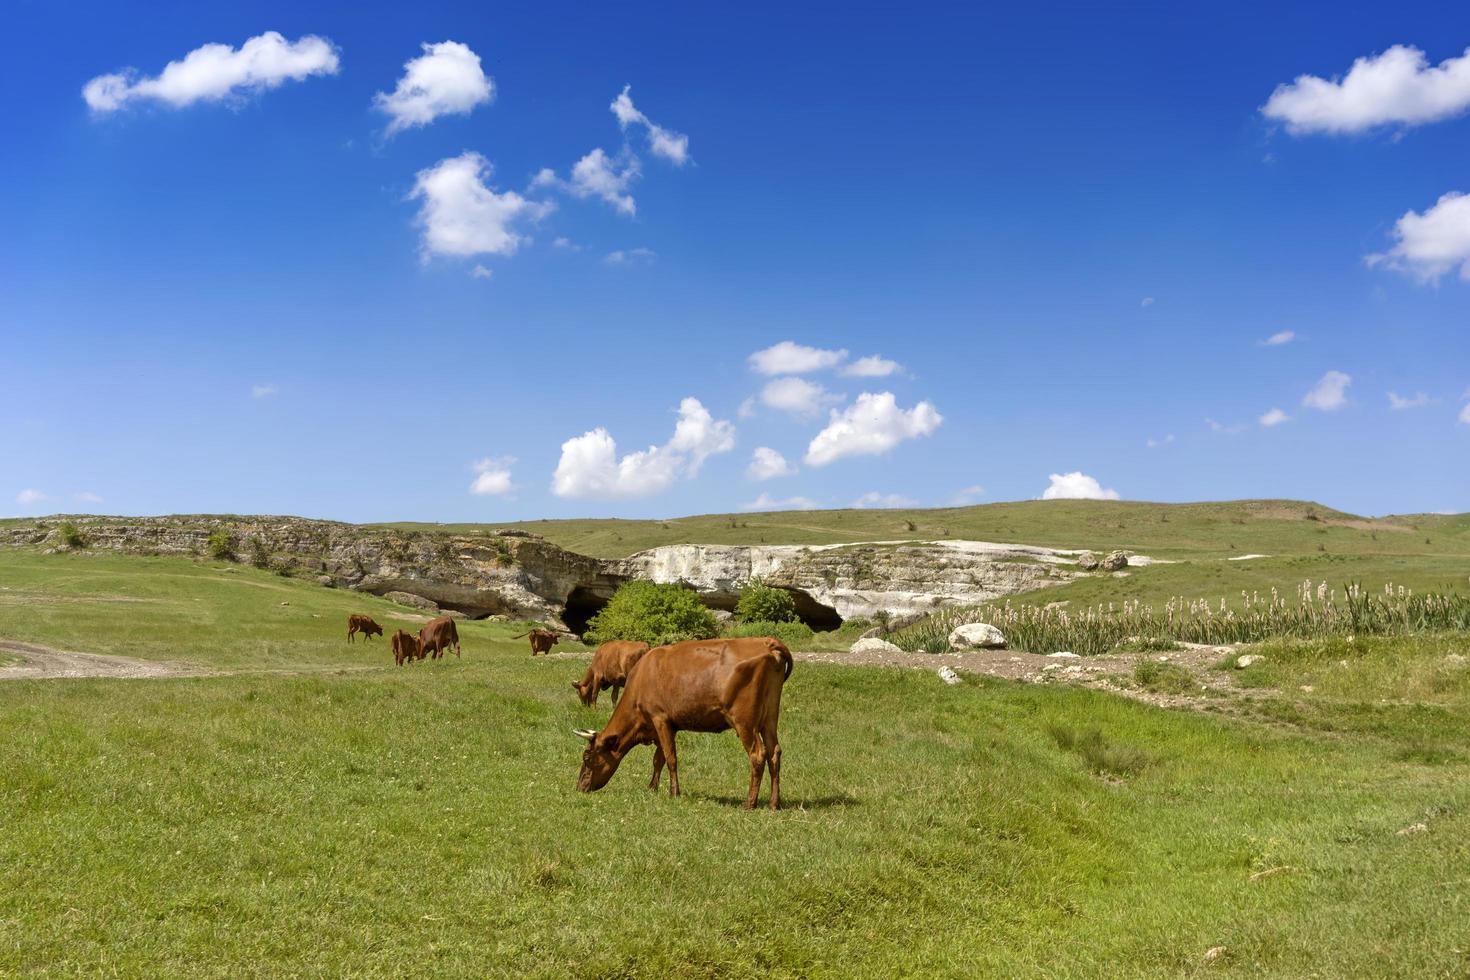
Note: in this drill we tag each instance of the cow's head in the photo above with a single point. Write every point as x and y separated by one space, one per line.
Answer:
372 629
599 761
586 690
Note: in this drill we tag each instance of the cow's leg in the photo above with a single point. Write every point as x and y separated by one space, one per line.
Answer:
665 734
658 767
616 690
751 741
773 760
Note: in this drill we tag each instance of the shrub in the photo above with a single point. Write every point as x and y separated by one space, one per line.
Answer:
221 544
71 535
260 555
1164 678
762 603
652 613
790 634
503 555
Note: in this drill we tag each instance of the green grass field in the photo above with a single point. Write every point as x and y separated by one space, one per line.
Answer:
319 811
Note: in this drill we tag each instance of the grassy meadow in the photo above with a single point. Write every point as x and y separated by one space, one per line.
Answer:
315 810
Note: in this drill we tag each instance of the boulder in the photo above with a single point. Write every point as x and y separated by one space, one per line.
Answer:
1246 659
874 645
976 635
1087 561
1113 561
723 617
409 599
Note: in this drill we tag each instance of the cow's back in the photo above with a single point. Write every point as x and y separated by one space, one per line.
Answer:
697 683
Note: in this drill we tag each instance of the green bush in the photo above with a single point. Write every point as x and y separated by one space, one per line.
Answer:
762 603
221 543
260 555
71 535
655 614
790 634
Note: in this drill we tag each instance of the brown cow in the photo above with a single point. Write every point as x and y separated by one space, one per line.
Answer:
437 636
541 640
364 625
696 686
406 647
610 667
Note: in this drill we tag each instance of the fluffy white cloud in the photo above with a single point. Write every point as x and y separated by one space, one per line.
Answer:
1223 429
791 358
870 426
1274 417
797 396
480 272
699 435
1330 393
1147 302
767 464
873 500
1397 87
1076 486
1398 403
1429 245
445 80
766 502
1152 443
590 465
213 72
462 216
28 497
87 497
630 256
492 476
1279 338
872 366
599 175
263 390
967 496
672 146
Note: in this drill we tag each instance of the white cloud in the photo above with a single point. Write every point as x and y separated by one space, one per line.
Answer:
590 465
1397 87
566 243
672 146
791 358
28 497
631 256
1076 486
86 497
747 408
480 272
797 396
873 366
1274 417
462 216
967 496
263 390
1429 245
870 426
1223 429
445 80
1330 393
213 72
1279 338
1398 403
700 435
767 464
492 476
599 175
766 502
1147 302
1160 443
874 500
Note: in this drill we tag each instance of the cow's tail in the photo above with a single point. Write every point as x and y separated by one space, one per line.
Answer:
784 656
521 636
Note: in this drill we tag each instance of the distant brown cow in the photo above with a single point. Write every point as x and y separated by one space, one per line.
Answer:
437 636
610 667
696 686
406 647
364 625
541 640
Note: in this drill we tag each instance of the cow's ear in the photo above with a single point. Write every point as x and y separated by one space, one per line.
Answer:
610 743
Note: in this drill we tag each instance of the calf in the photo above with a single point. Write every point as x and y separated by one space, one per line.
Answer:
438 635
406 647
610 667
364 625
541 640
696 686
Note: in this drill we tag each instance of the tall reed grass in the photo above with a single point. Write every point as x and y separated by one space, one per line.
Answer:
1318 611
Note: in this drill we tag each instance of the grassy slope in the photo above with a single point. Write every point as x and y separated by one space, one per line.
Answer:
393 821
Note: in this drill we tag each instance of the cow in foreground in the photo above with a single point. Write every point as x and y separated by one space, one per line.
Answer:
610 667
541 640
364 625
438 635
406 647
696 686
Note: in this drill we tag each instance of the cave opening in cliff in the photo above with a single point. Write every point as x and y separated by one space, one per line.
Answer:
818 615
582 605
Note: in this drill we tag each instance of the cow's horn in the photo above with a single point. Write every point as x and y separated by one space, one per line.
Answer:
586 733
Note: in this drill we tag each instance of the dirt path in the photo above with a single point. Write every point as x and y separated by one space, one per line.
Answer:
39 663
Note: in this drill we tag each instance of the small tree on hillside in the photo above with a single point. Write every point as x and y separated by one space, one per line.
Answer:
221 544
655 614
762 603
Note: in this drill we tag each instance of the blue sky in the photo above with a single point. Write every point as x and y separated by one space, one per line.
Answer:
293 275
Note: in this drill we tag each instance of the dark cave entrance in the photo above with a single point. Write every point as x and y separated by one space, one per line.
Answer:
818 615
582 604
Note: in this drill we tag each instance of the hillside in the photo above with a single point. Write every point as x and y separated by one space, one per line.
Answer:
1276 527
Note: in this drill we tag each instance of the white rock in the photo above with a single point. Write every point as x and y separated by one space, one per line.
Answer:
1066 655
874 645
972 635
1245 660
948 675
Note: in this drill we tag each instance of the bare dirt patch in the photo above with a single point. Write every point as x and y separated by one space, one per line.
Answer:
36 662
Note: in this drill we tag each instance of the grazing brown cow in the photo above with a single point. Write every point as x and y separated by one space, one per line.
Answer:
437 636
542 640
696 686
406 647
364 625
610 667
